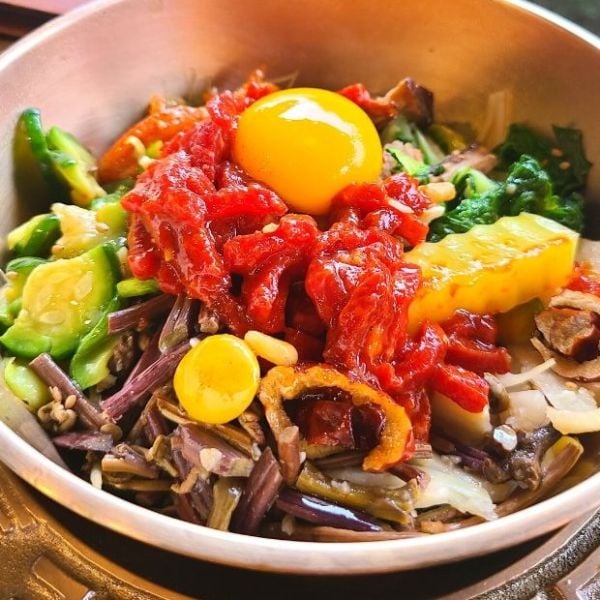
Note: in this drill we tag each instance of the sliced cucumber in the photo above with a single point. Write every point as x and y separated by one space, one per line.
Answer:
74 165
17 271
62 301
82 229
25 384
133 287
34 237
35 179
89 365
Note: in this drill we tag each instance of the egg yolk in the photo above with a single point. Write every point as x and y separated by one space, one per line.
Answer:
307 144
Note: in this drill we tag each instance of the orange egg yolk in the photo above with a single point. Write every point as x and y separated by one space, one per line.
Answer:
307 144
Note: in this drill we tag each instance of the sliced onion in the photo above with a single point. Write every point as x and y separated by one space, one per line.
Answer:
527 410
512 380
452 485
575 421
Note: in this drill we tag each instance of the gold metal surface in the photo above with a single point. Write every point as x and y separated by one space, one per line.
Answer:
92 72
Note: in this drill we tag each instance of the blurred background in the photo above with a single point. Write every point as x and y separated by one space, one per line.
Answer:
17 17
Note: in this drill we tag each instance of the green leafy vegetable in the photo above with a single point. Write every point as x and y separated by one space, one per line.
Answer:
528 188
563 158
407 163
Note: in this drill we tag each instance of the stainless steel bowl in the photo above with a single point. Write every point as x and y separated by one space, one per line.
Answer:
93 71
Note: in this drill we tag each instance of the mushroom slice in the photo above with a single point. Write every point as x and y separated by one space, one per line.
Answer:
572 332
567 368
578 300
286 383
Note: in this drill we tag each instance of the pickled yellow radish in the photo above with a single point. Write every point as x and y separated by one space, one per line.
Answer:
492 268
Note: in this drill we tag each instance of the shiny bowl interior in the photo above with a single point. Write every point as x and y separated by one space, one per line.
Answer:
93 71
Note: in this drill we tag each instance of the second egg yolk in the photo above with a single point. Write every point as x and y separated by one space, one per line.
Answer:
307 144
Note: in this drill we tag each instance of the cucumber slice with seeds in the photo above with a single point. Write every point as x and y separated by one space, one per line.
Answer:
62 301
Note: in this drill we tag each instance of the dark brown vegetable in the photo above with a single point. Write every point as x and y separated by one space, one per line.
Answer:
204 449
185 510
408 472
45 367
524 463
288 448
149 356
413 100
177 327
140 315
250 421
85 440
321 512
200 496
259 494
148 380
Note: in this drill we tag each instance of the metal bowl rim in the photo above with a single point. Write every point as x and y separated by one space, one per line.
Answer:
281 555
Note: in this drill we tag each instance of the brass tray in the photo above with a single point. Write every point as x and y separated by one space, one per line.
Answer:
47 553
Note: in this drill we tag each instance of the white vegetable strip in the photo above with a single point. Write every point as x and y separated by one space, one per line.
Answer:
358 476
452 485
527 410
575 421
512 380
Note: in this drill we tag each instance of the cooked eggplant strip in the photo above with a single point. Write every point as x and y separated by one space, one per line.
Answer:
227 492
45 367
200 496
310 533
177 327
185 510
259 494
288 448
230 433
85 441
387 504
206 450
154 423
140 315
150 424
317 511
148 380
149 356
